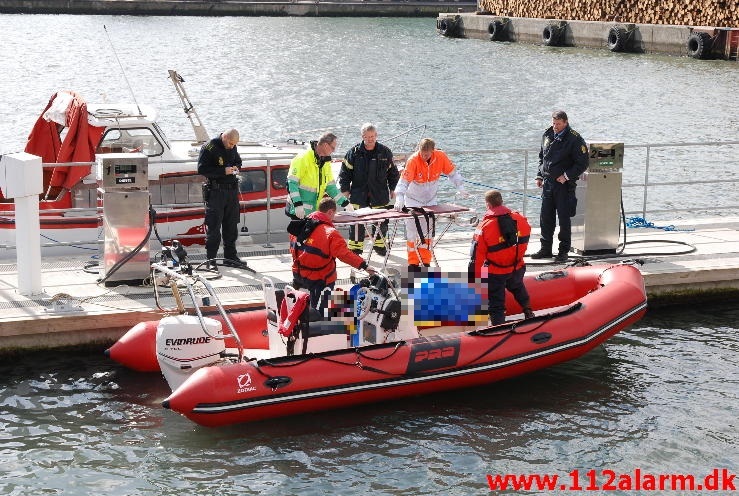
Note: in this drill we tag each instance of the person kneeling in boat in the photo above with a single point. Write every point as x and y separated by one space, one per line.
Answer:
315 244
498 247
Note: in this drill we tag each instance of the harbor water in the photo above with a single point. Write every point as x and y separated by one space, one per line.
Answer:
282 78
660 397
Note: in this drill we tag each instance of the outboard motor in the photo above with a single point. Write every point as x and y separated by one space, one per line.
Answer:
183 346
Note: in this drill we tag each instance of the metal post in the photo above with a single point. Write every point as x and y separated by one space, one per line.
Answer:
268 244
646 183
525 181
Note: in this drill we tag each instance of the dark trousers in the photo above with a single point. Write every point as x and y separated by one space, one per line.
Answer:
558 203
222 213
357 233
315 288
497 285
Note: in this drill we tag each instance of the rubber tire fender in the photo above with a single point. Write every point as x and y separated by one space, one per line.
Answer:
617 39
448 27
699 45
550 35
495 30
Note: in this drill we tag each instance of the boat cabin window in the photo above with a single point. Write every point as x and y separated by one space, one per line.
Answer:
130 141
255 180
251 181
180 190
279 178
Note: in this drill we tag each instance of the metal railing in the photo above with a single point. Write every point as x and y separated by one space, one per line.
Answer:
699 175
682 167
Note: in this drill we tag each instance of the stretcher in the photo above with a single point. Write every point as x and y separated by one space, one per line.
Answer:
448 213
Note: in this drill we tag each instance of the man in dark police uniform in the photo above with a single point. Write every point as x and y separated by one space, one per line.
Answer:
219 162
562 158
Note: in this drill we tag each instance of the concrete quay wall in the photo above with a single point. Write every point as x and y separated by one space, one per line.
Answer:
639 38
301 8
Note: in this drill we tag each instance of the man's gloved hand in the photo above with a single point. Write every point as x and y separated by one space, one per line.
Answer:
349 207
370 270
399 202
300 211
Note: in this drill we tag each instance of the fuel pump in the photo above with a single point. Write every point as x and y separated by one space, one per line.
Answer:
595 227
123 185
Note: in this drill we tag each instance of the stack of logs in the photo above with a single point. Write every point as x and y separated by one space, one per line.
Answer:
719 13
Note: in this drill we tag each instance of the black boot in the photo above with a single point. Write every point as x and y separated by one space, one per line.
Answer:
235 262
210 263
542 253
561 257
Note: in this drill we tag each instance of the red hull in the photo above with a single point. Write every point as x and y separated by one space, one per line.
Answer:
602 301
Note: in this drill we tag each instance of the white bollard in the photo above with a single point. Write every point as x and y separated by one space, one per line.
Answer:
21 178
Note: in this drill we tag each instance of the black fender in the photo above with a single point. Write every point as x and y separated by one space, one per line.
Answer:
699 45
496 30
551 35
617 38
448 27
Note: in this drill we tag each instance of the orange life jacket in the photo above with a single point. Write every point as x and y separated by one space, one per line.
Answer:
290 314
315 256
490 252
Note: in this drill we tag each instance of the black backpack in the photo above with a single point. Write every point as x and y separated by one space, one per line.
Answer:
302 228
508 229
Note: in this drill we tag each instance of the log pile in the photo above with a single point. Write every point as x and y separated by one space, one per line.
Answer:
719 13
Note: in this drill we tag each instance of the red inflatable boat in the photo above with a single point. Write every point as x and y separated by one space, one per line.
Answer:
137 348
577 309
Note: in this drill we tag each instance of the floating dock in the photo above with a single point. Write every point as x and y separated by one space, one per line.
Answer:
697 261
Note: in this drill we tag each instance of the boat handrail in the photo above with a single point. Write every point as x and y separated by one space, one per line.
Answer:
245 159
114 114
99 242
189 281
51 165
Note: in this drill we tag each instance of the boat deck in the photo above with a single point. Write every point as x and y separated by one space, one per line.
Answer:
75 309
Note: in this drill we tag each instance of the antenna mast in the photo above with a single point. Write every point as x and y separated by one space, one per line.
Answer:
121 66
200 133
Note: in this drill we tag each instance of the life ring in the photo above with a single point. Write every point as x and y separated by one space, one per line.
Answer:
495 30
699 45
551 34
617 39
448 27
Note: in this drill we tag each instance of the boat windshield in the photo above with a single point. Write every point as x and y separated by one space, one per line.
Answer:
130 140
161 134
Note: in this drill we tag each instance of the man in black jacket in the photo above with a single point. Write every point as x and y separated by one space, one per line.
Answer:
368 178
562 158
219 162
